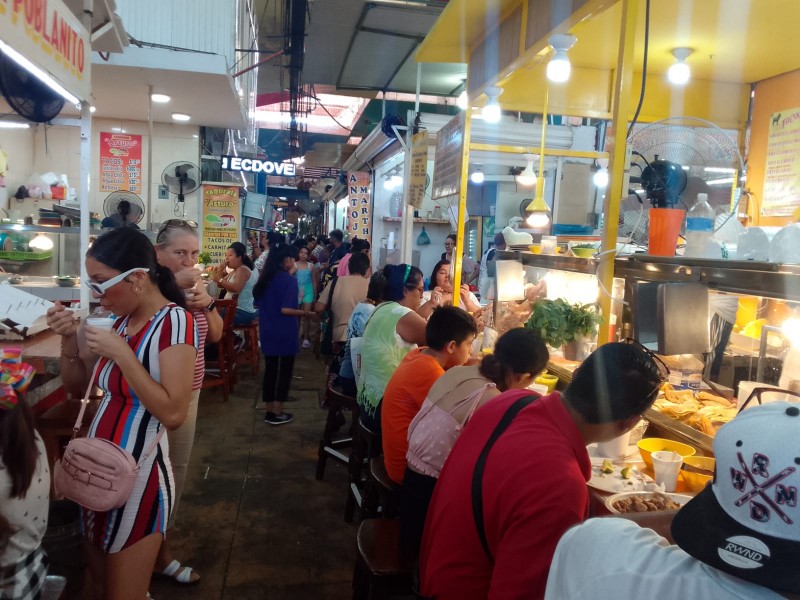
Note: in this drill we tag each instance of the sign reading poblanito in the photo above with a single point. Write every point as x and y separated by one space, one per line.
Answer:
47 33
256 165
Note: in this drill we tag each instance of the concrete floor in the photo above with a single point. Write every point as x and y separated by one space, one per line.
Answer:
253 520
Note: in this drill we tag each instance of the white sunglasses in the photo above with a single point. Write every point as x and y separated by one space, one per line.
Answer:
100 289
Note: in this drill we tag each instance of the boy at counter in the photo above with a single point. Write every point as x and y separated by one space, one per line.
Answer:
738 538
533 483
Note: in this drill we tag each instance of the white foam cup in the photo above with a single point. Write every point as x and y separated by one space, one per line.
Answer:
100 322
666 466
616 448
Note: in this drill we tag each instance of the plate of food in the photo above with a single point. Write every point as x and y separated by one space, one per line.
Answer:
631 502
610 477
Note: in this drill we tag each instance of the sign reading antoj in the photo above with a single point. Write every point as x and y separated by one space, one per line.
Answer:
359 206
220 210
782 173
48 34
255 165
120 162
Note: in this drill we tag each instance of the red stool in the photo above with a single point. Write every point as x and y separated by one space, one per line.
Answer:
250 354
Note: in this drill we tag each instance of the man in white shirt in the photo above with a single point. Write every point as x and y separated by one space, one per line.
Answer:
487 276
738 539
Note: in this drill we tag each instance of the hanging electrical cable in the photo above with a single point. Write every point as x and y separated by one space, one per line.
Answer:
644 68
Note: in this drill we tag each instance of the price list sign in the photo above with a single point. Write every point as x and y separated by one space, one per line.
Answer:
419 169
220 219
120 162
782 175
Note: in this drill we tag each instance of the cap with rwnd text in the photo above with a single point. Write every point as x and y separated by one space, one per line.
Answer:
747 521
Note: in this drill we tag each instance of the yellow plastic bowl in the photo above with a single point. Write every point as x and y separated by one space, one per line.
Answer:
649 445
697 481
549 380
535 248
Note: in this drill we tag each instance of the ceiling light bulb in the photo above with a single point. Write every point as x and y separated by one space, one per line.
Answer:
600 178
92 109
41 242
680 73
160 98
492 113
477 177
528 176
397 181
463 100
538 220
388 184
558 69
180 117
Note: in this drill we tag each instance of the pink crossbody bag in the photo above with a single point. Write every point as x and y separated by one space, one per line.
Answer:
97 473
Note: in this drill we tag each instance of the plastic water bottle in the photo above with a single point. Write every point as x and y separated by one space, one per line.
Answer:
700 230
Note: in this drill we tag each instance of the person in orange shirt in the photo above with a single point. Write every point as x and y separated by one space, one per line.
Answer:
449 335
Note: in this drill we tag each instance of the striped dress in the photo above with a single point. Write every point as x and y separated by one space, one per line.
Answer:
124 420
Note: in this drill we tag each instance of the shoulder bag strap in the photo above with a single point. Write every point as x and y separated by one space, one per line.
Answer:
480 466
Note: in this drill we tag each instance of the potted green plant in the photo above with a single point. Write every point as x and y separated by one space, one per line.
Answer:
561 324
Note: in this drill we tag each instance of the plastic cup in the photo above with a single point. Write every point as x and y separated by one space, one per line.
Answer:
665 226
549 243
616 448
100 323
666 466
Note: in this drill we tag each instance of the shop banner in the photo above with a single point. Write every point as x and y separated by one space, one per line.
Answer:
418 171
120 162
220 221
781 196
359 206
50 36
449 156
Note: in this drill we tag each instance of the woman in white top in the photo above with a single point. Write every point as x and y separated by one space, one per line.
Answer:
440 292
239 283
24 485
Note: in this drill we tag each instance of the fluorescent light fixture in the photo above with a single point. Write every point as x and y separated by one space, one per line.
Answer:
13 125
528 176
160 98
558 69
388 184
195 136
41 242
491 111
722 181
719 170
477 176
600 178
680 73
41 75
180 117
463 100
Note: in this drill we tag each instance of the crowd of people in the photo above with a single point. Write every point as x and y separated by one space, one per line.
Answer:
492 475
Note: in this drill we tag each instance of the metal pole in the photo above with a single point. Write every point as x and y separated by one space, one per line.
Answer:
86 161
149 222
407 224
618 157
458 251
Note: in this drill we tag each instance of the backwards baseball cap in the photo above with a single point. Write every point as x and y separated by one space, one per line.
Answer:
747 522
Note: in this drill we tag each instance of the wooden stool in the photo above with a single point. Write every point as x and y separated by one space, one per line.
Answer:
381 495
382 569
328 446
366 444
250 354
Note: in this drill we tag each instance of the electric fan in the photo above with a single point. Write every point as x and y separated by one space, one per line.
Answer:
26 94
181 178
122 209
672 161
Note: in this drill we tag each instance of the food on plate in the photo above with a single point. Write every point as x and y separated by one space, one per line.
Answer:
626 473
607 467
645 503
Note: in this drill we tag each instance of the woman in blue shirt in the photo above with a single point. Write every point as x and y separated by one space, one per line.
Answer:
276 297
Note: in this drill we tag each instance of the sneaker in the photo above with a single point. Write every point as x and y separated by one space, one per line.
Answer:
306 344
280 419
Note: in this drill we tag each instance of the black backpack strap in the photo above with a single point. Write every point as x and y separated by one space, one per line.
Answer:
480 466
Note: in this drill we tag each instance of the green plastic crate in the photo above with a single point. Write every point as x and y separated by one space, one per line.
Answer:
13 255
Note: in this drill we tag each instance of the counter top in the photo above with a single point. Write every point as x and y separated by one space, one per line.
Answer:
42 351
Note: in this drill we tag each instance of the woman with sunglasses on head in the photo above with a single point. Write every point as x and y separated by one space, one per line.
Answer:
393 330
177 248
145 368
24 485
239 283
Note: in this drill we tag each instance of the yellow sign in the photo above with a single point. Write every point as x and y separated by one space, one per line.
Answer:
449 156
220 219
782 173
418 171
359 206
49 35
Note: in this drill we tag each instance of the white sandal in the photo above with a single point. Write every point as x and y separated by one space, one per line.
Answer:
179 573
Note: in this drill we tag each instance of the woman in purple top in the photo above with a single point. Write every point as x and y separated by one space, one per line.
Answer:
276 297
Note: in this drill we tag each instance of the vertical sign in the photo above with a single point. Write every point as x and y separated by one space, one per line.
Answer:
120 162
359 206
449 155
781 196
418 171
220 219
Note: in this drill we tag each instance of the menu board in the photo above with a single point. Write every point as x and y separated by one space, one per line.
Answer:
359 206
782 177
220 219
449 156
120 162
418 171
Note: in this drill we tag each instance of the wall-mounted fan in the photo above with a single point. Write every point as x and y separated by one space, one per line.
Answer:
322 185
672 161
122 209
181 178
26 95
